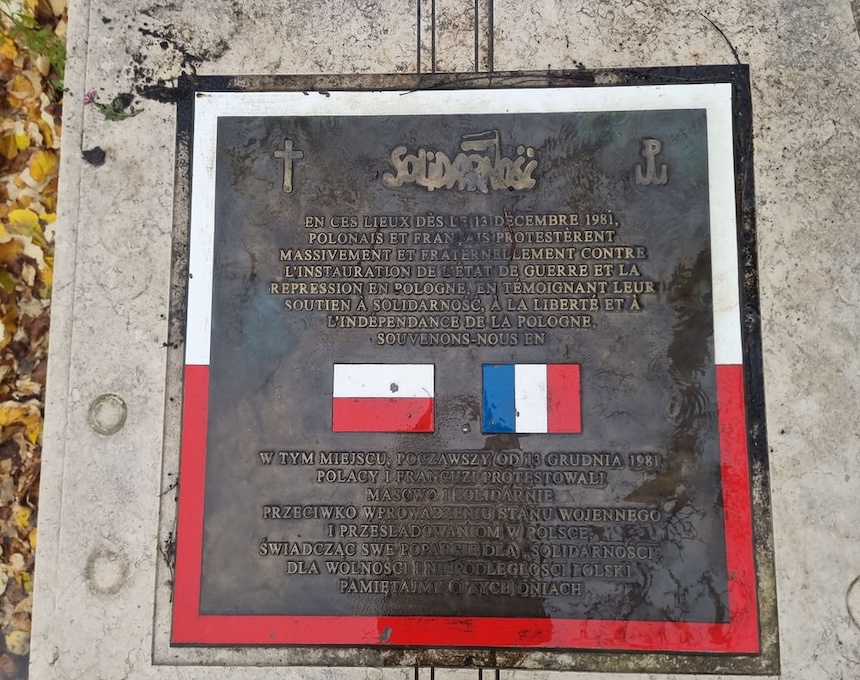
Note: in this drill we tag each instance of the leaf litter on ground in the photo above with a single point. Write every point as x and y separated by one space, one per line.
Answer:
32 60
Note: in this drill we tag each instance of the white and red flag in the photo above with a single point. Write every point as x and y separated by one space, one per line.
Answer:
383 398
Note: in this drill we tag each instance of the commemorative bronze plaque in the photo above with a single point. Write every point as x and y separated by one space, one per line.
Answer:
475 366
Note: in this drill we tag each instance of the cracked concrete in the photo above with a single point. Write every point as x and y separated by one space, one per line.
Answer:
114 259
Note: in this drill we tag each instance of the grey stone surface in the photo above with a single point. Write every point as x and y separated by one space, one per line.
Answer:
96 574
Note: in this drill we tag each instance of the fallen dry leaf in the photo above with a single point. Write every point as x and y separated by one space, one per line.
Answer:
43 165
18 642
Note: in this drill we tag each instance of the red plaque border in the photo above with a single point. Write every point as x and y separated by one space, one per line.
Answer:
738 636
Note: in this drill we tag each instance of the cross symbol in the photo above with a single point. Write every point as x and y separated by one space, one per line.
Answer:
288 155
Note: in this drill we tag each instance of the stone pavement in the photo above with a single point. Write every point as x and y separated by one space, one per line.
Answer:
99 510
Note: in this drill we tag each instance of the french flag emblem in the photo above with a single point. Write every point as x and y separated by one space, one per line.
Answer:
383 398
531 398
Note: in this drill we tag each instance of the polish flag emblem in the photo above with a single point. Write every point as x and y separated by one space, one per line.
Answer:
383 398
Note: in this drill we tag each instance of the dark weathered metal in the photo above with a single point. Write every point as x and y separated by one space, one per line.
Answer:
339 269
463 241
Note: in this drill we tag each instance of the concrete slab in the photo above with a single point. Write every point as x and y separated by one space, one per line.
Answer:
96 579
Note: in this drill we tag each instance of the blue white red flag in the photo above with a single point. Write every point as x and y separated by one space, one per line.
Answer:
531 398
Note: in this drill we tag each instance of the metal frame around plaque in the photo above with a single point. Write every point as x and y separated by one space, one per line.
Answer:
589 234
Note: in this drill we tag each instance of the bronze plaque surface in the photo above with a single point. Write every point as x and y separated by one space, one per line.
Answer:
466 368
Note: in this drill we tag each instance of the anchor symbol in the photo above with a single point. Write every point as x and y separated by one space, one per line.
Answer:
650 149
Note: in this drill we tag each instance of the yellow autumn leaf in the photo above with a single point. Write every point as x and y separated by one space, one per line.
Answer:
32 538
22 517
47 133
33 425
21 87
32 234
8 147
43 164
48 218
18 642
24 218
47 274
7 47
12 413
22 142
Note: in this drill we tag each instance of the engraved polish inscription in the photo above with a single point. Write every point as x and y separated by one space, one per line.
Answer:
462 523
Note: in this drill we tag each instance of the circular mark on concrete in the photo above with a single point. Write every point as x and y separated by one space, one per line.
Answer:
108 413
466 428
106 571
852 601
